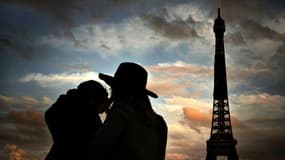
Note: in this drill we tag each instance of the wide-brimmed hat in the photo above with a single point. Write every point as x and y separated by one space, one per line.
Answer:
130 77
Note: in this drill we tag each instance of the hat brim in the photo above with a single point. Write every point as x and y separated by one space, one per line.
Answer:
110 81
106 78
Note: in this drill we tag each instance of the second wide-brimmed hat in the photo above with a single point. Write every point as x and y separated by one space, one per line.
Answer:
130 77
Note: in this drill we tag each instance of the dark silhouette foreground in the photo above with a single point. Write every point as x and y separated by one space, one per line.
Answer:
73 119
132 130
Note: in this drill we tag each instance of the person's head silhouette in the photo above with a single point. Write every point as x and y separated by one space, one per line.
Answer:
130 79
93 95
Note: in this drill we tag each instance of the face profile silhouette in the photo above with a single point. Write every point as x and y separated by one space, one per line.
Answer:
94 95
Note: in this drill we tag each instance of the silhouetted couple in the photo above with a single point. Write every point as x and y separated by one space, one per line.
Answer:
131 130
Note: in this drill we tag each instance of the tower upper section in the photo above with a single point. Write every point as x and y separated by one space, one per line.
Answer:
220 75
219 25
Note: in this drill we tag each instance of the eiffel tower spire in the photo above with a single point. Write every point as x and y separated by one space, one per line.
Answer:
221 142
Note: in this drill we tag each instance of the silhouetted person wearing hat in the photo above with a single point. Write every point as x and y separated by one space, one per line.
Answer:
73 119
132 130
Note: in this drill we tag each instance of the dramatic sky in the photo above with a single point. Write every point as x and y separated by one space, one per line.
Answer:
48 47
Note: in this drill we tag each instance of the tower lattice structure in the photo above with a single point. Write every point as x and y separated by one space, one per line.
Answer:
221 142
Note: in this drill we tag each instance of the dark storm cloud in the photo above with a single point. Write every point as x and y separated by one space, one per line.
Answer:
56 18
246 16
26 51
266 69
257 31
23 126
254 143
60 11
26 129
177 29
248 25
277 59
65 12
276 84
266 121
65 36
233 11
5 42
235 39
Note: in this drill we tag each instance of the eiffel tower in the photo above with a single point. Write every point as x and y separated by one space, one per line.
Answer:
221 142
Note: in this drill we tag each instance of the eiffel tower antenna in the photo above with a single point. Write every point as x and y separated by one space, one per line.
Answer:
219 3
219 7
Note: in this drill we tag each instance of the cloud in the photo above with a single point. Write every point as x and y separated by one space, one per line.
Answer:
180 22
169 87
55 80
186 139
181 69
28 117
233 12
105 46
184 79
261 99
7 100
260 143
176 156
256 64
76 67
5 42
189 102
259 105
61 12
25 128
256 31
195 119
23 131
276 59
16 153
127 37
25 50
235 39
196 115
176 29
62 38
179 79
277 81
56 21
25 102
184 143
